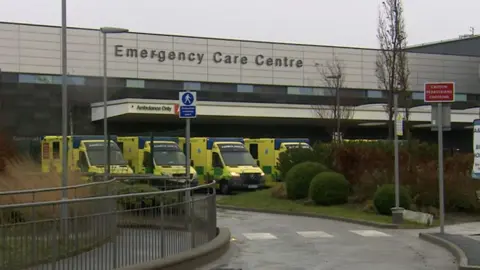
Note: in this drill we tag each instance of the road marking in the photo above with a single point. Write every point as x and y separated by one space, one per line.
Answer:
259 236
370 233
315 234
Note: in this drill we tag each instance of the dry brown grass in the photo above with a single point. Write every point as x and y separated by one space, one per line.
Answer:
25 174
278 191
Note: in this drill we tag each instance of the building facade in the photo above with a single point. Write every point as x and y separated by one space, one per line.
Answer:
244 88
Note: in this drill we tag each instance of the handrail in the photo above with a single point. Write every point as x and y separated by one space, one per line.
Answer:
143 176
99 198
25 191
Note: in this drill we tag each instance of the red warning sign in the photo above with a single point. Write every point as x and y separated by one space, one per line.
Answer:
176 109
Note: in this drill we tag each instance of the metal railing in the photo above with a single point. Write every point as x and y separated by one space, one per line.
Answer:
96 187
105 231
43 194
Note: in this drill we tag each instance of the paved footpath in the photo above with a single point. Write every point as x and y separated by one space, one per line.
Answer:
265 241
466 237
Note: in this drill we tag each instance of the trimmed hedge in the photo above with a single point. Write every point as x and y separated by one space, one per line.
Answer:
322 153
139 202
384 199
329 188
299 177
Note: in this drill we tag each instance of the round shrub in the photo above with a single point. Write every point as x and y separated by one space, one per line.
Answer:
329 188
384 199
299 177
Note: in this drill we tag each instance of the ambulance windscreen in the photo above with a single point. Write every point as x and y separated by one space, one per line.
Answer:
96 154
168 154
236 155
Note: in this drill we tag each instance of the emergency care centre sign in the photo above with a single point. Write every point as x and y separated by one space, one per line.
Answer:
169 56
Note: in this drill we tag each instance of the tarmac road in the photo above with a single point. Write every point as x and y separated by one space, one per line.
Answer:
265 241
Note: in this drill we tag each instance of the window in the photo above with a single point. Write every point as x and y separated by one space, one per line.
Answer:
472 97
56 150
304 91
329 92
417 95
82 162
71 80
307 91
269 89
219 87
135 83
293 91
48 79
25 78
94 81
254 150
115 82
147 160
245 88
163 85
120 145
58 80
216 161
191 86
76 80
460 97
8 77
353 93
375 94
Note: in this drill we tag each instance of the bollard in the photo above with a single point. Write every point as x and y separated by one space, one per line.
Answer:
397 215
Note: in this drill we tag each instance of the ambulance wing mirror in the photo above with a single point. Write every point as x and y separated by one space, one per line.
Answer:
192 163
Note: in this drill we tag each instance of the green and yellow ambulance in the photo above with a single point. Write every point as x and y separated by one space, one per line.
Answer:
266 152
168 158
227 161
85 154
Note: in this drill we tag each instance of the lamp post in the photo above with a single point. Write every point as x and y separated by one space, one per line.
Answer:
64 209
337 103
105 31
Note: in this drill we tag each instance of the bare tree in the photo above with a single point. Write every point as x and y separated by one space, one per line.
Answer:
392 64
333 78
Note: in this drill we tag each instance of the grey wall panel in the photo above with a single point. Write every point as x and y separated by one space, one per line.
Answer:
466 47
36 49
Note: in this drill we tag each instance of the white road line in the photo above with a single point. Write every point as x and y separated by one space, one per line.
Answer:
370 233
259 236
315 234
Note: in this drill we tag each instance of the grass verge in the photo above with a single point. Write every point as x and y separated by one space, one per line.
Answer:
262 200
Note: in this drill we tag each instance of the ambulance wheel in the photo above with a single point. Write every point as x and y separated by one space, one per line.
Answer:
224 188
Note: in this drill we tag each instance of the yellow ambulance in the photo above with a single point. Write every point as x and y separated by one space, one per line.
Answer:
267 150
227 161
168 158
85 154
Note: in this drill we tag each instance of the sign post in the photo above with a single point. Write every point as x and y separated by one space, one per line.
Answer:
476 150
439 93
397 211
187 110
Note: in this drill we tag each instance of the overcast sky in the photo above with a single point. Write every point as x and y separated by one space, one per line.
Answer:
328 22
